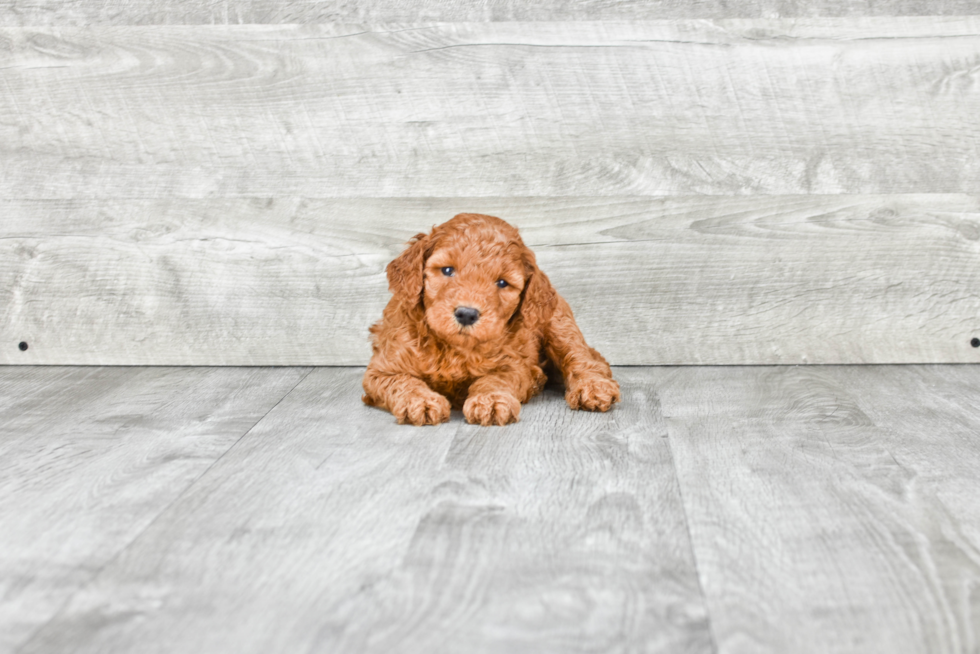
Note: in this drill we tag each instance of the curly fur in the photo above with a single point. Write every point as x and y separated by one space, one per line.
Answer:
425 362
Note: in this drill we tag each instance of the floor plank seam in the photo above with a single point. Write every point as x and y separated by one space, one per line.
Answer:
687 529
61 609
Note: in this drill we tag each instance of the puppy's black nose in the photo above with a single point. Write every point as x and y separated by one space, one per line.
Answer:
466 316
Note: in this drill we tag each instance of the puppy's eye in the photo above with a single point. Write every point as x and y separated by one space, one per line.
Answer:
448 271
502 283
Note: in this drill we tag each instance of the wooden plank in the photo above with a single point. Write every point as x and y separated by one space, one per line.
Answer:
318 503
128 12
562 534
691 280
90 457
330 528
856 105
817 529
934 437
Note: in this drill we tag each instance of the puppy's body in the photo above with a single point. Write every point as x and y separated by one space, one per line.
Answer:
474 324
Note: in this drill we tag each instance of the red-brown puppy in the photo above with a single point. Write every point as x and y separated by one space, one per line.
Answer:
473 324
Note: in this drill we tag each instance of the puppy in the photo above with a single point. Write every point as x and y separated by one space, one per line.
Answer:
475 324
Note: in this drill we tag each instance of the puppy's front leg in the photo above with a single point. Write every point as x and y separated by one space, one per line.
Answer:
588 378
408 398
495 398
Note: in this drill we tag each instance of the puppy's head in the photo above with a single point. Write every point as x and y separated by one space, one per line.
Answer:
472 277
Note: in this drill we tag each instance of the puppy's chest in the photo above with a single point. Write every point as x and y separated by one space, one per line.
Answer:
452 378
451 372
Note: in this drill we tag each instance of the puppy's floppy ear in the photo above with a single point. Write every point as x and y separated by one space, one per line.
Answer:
538 296
405 274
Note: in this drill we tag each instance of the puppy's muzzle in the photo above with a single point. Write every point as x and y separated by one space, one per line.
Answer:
466 316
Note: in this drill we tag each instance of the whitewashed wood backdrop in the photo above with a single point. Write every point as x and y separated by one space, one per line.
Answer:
223 183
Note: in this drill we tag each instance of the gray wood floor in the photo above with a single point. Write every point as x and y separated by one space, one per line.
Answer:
783 509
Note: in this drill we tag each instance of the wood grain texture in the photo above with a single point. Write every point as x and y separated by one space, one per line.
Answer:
319 503
564 533
159 12
89 457
693 280
828 512
935 437
731 107
829 509
330 528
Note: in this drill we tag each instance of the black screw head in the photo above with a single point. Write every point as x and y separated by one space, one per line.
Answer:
23 346
975 342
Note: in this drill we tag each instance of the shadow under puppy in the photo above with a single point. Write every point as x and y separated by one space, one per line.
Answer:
474 324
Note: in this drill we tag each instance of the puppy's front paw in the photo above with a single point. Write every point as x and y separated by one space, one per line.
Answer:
592 393
492 409
421 409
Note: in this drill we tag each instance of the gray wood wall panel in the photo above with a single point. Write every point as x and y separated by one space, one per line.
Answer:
155 12
831 509
89 457
803 279
862 105
152 143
